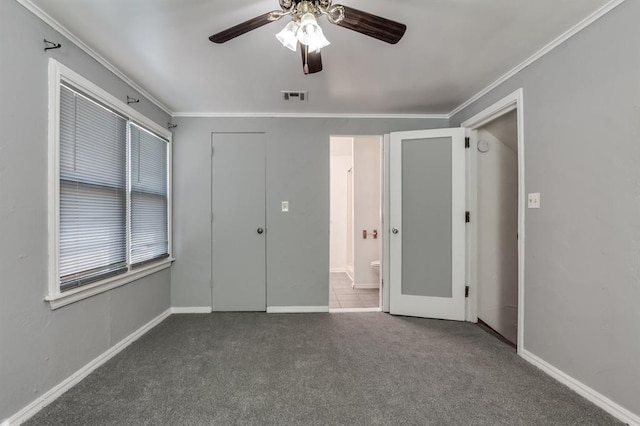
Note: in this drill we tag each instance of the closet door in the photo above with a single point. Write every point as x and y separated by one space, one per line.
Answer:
238 232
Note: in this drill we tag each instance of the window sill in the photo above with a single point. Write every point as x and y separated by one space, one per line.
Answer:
58 300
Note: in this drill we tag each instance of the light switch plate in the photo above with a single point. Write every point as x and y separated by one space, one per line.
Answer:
534 200
285 206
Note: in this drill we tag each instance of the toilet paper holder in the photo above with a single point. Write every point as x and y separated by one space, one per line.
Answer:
374 234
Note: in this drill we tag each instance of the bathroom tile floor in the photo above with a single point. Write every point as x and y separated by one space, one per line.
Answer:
341 295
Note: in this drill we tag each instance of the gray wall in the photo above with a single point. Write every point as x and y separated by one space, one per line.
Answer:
39 347
298 171
582 152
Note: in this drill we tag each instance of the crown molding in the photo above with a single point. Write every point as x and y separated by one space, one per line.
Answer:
542 52
302 115
31 7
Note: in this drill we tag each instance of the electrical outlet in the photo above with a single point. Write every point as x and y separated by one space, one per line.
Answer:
534 200
285 206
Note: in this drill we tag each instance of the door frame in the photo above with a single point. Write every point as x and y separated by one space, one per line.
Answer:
386 230
513 101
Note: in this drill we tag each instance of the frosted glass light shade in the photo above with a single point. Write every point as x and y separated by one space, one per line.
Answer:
288 36
320 41
310 33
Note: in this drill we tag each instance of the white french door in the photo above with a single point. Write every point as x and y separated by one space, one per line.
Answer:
427 223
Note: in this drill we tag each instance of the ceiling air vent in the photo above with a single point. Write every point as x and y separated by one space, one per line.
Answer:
288 95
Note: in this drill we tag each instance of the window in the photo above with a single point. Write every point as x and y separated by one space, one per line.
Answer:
93 191
149 205
109 190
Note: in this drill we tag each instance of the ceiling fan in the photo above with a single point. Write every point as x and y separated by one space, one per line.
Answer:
304 30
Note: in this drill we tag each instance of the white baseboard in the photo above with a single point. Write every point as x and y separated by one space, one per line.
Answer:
349 273
45 399
192 310
583 390
365 286
338 270
297 309
349 310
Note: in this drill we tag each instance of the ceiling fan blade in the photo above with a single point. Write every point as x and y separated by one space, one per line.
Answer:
372 25
245 27
311 61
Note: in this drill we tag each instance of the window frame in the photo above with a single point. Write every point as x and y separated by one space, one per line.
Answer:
58 73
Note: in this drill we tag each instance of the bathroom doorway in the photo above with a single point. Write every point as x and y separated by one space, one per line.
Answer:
355 223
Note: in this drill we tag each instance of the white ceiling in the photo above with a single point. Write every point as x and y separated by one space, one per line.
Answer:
452 49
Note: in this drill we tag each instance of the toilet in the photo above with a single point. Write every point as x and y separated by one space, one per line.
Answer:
375 265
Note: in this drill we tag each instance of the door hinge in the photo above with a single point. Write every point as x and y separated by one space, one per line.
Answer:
466 291
467 217
212 150
467 142
211 218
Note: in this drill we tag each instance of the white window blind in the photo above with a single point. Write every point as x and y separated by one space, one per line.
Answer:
149 200
93 191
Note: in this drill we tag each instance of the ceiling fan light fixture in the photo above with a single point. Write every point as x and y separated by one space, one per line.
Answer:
319 43
288 36
304 29
310 33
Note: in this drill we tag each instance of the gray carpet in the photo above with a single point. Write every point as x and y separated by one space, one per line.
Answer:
318 369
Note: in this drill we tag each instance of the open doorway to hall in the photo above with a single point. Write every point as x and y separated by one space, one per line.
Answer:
355 223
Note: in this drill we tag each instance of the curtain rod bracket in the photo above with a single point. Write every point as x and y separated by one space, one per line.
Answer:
171 126
51 45
131 100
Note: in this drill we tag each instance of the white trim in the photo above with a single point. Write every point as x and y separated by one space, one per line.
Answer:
384 261
303 115
510 102
351 310
583 390
53 200
45 399
191 310
365 286
471 232
28 4
540 53
338 270
496 110
169 195
349 272
57 300
297 309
